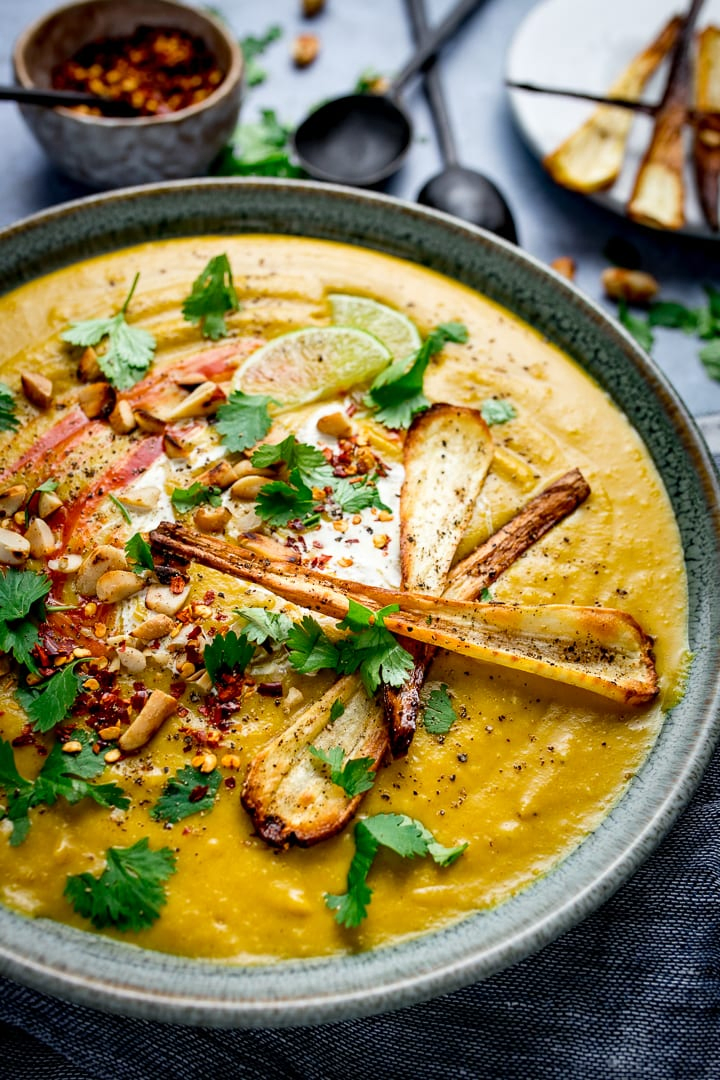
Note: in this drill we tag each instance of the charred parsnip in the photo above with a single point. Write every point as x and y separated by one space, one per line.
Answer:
447 454
658 197
592 157
597 649
706 148
290 798
475 573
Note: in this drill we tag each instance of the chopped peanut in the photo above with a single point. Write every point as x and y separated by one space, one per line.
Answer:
112 756
158 707
37 389
230 761
74 746
634 286
305 49
211 519
565 266
381 540
205 762
109 733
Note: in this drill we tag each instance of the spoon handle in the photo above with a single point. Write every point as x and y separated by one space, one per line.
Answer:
68 98
434 41
433 86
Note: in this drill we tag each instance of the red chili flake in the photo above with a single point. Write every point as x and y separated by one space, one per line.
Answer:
198 792
230 782
177 689
139 698
270 689
194 633
182 711
177 584
28 737
209 597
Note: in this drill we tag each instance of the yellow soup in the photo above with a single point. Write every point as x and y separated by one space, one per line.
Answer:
529 767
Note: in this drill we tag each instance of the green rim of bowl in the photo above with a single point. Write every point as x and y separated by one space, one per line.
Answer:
105 974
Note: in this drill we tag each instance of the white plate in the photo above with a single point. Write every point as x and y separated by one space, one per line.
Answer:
584 45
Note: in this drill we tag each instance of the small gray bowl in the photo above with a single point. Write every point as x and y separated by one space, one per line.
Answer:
106 152
116 976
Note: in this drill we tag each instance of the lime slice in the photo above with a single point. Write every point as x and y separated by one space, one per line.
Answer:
306 365
392 327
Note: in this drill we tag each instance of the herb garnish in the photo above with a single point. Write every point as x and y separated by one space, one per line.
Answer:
139 554
405 836
336 710
637 327
47 486
188 792
184 499
260 149
263 625
129 893
354 777
252 47
213 295
439 714
243 420
227 653
22 607
279 502
369 648
65 775
121 507
397 392
497 411
49 703
8 419
702 322
310 463
129 350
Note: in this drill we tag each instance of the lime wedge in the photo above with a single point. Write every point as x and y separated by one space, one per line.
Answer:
307 365
392 327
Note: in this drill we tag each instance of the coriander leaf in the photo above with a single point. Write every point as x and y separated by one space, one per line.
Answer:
49 703
671 314
243 420
637 327
21 608
360 617
212 296
309 462
10 778
439 714
278 502
354 777
130 891
486 597
253 47
47 486
713 296
336 710
310 649
263 625
368 81
497 411
397 392
707 327
184 499
186 793
227 653
8 419
710 357
139 554
260 149
62 775
352 498
129 351
405 836
123 509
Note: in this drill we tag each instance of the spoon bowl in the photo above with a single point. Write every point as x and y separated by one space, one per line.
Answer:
471 196
359 139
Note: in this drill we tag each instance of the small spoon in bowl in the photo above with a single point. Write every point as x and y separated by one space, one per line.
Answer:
67 99
362 139
456 190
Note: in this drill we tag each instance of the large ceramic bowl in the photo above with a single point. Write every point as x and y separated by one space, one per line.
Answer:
103 973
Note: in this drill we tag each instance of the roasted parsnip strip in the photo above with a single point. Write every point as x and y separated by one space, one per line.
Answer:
706 147
658 197
447 455
592 157
288 794
475 573
598 649
487 562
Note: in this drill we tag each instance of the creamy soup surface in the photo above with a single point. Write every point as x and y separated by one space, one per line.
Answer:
528 769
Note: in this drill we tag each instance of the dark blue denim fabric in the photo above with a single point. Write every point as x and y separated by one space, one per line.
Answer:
633 993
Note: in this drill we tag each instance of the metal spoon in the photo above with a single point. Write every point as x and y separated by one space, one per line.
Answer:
67 98
361 139
456 190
